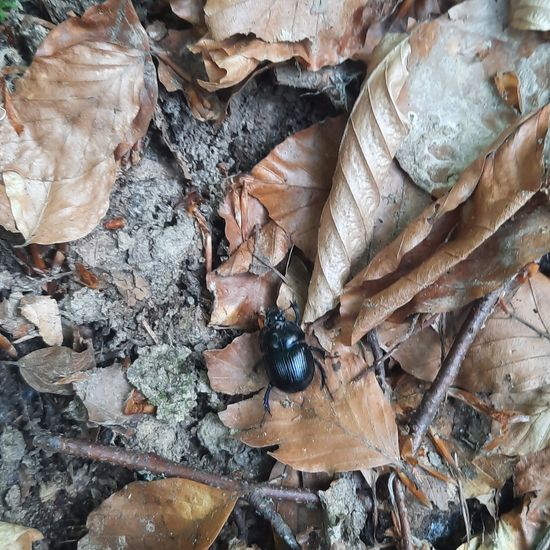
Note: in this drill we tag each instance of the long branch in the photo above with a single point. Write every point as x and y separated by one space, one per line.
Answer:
435 395
158 465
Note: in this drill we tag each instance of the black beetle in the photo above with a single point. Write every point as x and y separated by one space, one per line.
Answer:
288 358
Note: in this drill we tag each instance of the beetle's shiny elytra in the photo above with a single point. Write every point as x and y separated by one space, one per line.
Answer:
288 359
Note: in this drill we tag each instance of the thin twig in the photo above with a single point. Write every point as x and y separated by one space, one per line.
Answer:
451 365
265 508
378 365
406 535
158 465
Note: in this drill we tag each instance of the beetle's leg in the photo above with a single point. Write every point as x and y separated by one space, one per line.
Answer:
323 377
320 351
266 398
295 309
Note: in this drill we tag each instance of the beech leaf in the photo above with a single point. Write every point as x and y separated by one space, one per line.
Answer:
487 194
532 473
371 138
43 312
57 175
18 537
530 15
293 181
168 513
352 430
46 369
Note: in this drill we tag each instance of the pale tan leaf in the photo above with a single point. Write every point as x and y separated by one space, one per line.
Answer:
43 312
488 193
530 15
294 180
508 87
237 369
512 352
297 276
45 369
239 299
104 393
86 99
373 133
17 537
171 514
314 432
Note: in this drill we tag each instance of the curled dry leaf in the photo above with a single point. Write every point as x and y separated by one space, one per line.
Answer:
43 312
487 194
530 15
373 133
238 299
46 369
314 432
137 404
17 537
175 71
294 290
57 175
104 393
508 87
169 513
294 180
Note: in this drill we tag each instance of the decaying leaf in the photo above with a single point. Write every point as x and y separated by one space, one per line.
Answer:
57 175
314 34
532 473
46 369
43 312
17 537
137 404
487 194
373 133
86 276
530 15
169 513
175 71
294 180
352 430
104 393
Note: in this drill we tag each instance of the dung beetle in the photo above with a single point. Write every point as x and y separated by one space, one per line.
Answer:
288 358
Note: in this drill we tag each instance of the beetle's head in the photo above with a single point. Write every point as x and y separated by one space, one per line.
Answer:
274 317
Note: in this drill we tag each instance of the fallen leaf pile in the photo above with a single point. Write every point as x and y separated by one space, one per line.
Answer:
380 226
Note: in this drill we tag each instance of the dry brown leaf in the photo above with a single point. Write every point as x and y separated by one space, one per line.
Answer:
45 369
43 312
297 276
488 193
294 180
137 404
17 537
189 10
532 473
508 87
239 299
237 369
267 247
104 393
373 133
171 514
178 71
86 276
314 433
241 212
530 15
59 172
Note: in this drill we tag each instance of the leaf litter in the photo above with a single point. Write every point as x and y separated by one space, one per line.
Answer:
433 230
